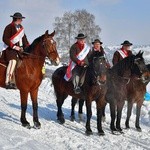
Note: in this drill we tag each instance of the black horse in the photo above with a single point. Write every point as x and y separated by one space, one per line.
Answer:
94 88
118 78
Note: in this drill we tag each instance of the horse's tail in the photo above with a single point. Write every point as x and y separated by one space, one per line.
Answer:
57 78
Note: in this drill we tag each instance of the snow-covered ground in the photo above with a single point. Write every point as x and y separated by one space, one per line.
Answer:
71 135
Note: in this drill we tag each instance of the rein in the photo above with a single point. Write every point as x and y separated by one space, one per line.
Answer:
3 65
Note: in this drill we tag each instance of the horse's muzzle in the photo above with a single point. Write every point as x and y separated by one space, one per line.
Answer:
55 62
101 79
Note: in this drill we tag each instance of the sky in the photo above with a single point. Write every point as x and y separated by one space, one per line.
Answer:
119 20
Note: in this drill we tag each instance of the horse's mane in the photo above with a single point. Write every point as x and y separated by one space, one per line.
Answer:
123 65
35 42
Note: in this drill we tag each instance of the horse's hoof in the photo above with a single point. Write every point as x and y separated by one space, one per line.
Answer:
119 129
72 118
37 125
127 127
139 129
88 132
26 125
61 120
101 133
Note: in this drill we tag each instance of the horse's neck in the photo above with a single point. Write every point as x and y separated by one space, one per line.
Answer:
36 57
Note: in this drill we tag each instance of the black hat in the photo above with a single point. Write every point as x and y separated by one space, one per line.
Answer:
81 36
17 15
126 43
97 41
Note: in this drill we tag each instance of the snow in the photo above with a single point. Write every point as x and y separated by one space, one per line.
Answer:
71 135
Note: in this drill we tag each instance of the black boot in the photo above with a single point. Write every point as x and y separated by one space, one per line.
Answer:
10 86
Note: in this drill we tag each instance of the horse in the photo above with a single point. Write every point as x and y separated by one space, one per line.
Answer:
94 88
118 79
28 73
136 90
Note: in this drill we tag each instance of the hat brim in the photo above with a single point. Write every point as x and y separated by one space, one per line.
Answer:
130 44
97 42
83 37
18 17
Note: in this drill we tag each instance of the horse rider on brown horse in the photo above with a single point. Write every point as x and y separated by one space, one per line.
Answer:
78 61
123 52
15 41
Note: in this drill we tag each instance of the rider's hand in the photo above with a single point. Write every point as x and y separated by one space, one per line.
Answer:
17 48
82 63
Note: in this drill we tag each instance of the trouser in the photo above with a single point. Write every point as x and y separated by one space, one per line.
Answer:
10 70
78 76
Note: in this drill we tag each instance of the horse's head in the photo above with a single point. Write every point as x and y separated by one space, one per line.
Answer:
142 69
49 46
100 69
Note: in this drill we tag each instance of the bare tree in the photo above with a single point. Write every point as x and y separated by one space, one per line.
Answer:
71 23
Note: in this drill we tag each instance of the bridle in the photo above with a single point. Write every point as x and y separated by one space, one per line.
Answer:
47 52
45 46
96 76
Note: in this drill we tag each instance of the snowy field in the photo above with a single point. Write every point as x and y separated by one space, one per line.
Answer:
71 135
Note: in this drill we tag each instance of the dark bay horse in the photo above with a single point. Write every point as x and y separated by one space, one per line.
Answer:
28 73
136 90
118 79
94 88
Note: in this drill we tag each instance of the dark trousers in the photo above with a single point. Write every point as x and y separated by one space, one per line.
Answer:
78 76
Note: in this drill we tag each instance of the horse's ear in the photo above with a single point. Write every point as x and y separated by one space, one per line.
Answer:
139 53
46 33
52 34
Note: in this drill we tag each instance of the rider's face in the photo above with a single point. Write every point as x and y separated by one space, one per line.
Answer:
18 21
126 47
81 41
97 46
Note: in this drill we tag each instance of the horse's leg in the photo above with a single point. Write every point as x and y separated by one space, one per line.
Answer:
80 111
119 114
99 117
36 122
89 115
129 110
24 96
138 111
103 114
73 103
60 101
113 116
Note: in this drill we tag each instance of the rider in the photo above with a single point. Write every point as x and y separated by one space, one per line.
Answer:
78 62
123 52
98 51
15 41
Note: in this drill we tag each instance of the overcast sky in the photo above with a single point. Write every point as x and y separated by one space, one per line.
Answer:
119 19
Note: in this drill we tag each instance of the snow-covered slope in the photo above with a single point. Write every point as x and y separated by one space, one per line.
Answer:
71 135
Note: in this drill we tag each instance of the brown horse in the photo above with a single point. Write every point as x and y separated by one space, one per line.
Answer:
94 88
28 73
118 79
136 90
